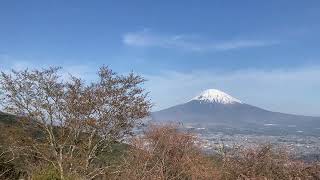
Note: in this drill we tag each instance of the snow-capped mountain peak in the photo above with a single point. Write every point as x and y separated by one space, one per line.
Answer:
216 96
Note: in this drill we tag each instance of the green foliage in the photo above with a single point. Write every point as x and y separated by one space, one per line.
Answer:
113 155
7 119
49 173
46 174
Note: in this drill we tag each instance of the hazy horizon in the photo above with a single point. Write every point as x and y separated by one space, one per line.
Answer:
264 53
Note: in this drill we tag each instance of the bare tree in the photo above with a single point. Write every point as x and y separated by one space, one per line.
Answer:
265 162
164 152
7 156
76 121
9 150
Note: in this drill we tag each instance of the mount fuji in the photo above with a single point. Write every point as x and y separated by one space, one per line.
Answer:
214 108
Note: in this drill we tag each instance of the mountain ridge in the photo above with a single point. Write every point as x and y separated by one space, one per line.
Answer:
210 111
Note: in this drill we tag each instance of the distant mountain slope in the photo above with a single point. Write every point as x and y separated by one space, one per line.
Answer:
7 118
214 107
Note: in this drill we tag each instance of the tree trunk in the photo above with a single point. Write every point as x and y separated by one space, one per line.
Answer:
60 164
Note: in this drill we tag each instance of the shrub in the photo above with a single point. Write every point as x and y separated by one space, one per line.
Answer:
265 162
166 153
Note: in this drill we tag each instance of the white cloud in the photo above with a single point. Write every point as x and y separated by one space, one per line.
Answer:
284 90
85 71
188 42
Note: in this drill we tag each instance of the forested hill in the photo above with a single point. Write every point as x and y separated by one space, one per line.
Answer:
7 119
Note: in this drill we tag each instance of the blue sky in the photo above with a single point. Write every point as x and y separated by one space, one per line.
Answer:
266 53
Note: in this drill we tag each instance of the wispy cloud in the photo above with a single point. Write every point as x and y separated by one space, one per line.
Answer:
84 71
146 38
291 90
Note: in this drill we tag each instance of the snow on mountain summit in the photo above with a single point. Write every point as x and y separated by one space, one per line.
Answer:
216 96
